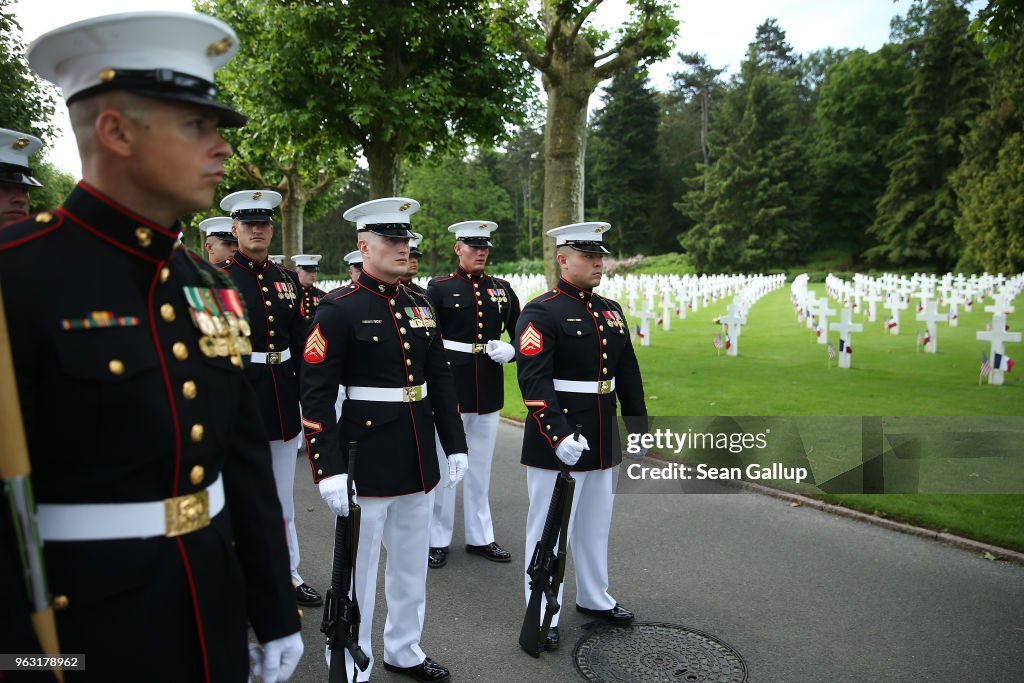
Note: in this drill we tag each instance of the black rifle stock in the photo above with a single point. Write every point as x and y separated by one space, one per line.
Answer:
547 567
341 613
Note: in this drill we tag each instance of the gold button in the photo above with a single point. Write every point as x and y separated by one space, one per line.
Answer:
604 371
480 325
392 302
196 475
565 410
197 432
480 313
410 378
376 338
428 334
188 390
479 336
456 305
547 427
590 305
179 350
601 328
259 277
267 303
604 355
60 602
266 289
408 361
398 316
476 285
541 415
301 614
271 346
554 438
579 333
316 456
165 274
44 217
407 346
270 318
605 342
313 440
319 473
116 367
167 313
369 423
272 333
236 361
144 236
401 330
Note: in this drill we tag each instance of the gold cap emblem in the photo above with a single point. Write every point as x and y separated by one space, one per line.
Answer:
404 207
20 143
107 75
220 47
256 195
144 236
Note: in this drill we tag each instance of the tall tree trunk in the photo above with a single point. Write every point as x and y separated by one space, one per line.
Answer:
293 207
384 161
565 142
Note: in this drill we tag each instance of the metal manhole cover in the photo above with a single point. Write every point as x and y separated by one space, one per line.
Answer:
657 652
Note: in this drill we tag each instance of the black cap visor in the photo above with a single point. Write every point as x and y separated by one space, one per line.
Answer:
17 175
226 236
166 84
587 246
476 241
388 229
253 215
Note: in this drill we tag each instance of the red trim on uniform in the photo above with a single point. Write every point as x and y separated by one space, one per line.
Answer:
476 356
29 238
597 397
117 207
195 607
412 415
540 405
110 240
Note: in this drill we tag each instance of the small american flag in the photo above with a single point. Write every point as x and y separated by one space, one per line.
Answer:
831 352
718 342
986 365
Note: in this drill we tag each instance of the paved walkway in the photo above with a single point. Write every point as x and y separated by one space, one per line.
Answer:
801 595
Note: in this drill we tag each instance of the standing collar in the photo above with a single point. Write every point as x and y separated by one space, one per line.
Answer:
249 263
377 286
573 291
102 216
466 275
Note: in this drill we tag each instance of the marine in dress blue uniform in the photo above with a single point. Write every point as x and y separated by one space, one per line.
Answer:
15 175
575 365
306 268
381 342
271 293
163 538
220 243
475 309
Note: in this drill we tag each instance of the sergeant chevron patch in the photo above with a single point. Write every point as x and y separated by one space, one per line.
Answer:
316 347
530 341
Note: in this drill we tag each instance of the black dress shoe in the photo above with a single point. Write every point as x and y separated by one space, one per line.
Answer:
553 640
618 615
492 551
428 671
307 596
437 557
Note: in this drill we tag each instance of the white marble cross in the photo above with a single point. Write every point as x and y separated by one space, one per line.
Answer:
895 304
666 313
955 299
645 328
997 337
1000 305
823 312
733 322
872 297
929 317
844 327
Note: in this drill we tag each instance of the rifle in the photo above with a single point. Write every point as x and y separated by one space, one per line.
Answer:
15 471
547 568
341 614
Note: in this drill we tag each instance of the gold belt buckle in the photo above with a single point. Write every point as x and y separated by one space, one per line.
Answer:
479 348
604 386
185 514
274 358
412 394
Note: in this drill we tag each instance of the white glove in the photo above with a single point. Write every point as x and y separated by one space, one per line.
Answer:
458 463
570 450
276 660
499 351
334 491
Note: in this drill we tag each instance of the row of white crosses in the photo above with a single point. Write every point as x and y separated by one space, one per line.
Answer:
736 312
998 335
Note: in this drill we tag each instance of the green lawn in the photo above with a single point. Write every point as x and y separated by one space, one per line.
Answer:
781 371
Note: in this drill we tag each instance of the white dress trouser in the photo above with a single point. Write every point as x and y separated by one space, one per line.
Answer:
283 455
402 524
481 435
589 525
